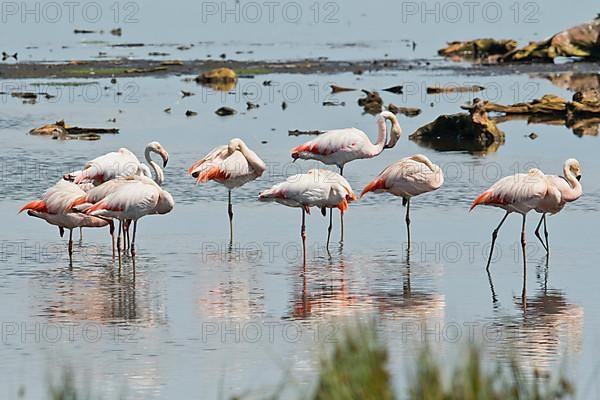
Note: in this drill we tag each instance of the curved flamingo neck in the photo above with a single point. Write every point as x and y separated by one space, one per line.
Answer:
381 135
159 176
253 160
575 189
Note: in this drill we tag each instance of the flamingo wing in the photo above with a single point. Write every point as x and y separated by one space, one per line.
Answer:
333 141
301 190
216 155
132 199
521 191
109 166
407 177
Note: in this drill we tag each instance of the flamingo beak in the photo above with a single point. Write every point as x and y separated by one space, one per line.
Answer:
578 177
165 157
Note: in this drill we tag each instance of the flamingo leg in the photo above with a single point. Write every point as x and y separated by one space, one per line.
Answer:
126 233
546 235
341 213
230 212
407 219
303 235
80 234
111 229
537 232
523 245
70 246
119 237
133 240
330 228
494 236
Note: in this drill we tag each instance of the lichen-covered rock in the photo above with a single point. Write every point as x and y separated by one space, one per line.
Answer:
579 41
478 48
218 75
584 103
473 131
60 130
548 104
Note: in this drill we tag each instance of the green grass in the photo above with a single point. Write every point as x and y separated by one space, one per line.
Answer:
95 71
470 380
45 84
252 71
356 369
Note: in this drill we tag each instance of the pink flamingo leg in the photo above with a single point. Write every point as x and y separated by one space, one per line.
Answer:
494 236
303 235
133 240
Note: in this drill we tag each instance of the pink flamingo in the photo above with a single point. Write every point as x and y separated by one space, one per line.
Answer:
317 188
519 193
232 165
52 208
406 178
120 163
127 199
570 190
340 146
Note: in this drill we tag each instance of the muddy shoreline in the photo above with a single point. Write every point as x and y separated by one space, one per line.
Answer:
159 68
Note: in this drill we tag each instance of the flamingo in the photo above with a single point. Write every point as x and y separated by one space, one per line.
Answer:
130 198
340 146
52 208
232 165
570 190
316 188
120 163
519 193
406 178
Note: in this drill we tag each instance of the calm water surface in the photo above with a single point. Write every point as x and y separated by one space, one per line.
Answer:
198 317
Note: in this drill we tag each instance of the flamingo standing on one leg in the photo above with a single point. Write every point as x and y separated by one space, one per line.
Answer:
232 165
340 146
316 188
330 177
406 178
519 193
570 190
53 205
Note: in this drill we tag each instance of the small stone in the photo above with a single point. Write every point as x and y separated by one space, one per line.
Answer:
224 111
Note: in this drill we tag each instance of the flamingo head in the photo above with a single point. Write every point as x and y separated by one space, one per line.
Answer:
573 166
160 150
396 130
165 203
235 145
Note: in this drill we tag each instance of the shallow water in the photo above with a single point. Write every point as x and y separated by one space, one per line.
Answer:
282 30
197 316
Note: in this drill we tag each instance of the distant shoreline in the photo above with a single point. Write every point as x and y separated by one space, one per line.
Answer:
160 68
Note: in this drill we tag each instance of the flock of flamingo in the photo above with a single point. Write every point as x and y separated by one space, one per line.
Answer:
117 186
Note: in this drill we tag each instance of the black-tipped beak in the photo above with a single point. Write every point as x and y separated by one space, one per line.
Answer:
165 161
578 177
